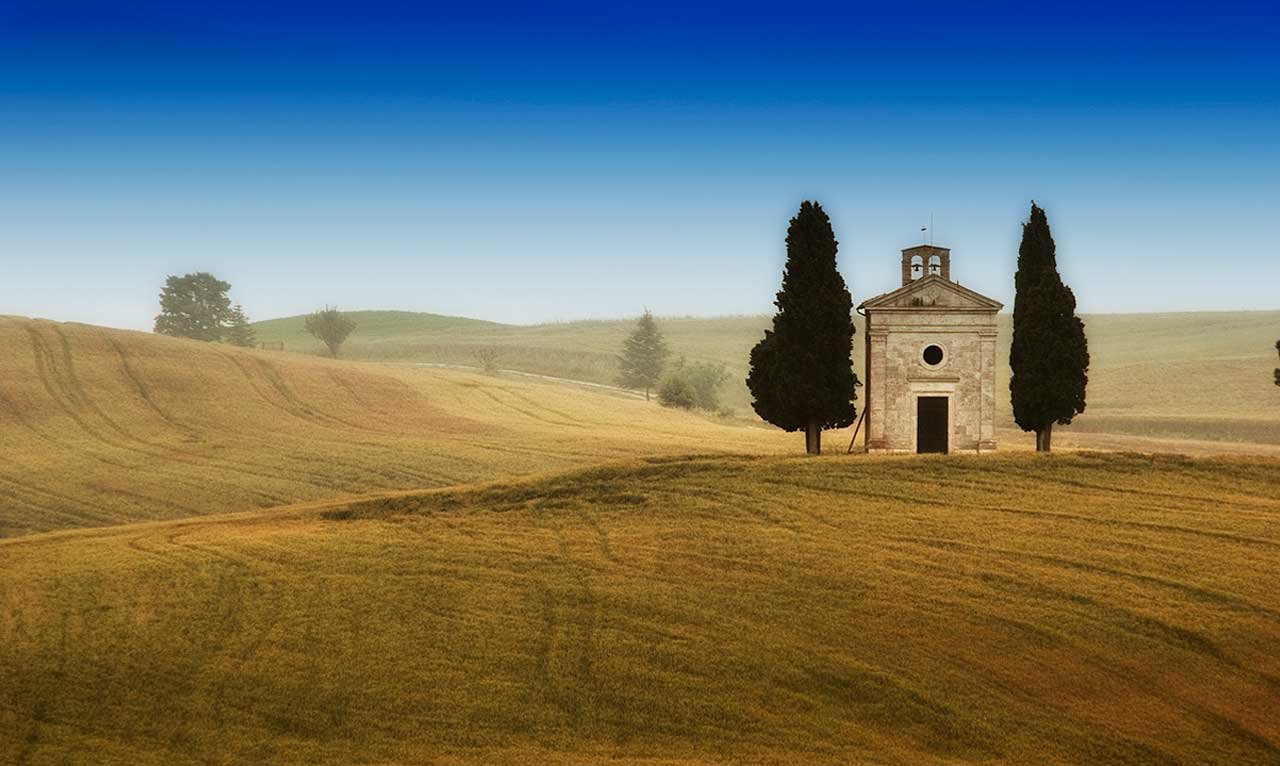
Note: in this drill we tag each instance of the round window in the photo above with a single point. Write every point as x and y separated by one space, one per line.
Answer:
933 355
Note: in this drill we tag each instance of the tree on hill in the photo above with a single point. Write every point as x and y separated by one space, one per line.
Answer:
690 386
488 357
1050 354
801 376
330 327
644 355
1278 368
239 333
194 306
676 390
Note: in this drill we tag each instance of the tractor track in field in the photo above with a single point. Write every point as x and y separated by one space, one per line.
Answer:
395 476
345 385
229 635
531 414
1140 626
68 393
306 415
531 402
568 636
164 451
73 400
144 392
953 642
56 511
91 513
305 410
531 375
243 467
1143 526
1192 592
375 463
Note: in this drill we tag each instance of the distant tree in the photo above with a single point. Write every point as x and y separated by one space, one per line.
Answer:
801 376
644 356
1278 368
692 385
239 332
331 327
707 379
194 306
676 390
1050 354
488 357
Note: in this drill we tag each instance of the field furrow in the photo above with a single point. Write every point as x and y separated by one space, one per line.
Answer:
705 610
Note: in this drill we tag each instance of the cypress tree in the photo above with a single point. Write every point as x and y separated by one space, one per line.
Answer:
239 333
801 376
1278 368
644 355
1050 355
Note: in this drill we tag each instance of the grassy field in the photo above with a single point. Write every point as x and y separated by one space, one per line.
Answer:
104 426
1200 376
1073 609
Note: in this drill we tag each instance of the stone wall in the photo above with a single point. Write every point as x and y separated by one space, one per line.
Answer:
897 375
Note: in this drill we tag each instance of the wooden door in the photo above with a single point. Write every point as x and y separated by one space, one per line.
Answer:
931 424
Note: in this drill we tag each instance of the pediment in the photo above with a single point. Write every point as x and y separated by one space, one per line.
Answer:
933 292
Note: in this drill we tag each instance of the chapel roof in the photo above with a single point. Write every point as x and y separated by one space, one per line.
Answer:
934 292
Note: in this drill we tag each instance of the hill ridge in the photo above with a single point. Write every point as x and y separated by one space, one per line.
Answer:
891 610
117 425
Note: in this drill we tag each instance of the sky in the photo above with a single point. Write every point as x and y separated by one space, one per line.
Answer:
565 160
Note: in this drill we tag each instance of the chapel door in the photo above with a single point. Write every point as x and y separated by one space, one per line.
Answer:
931 424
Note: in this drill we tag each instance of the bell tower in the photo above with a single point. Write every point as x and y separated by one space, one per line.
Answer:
922 260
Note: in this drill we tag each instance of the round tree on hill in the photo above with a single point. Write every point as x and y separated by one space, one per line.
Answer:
331 327
801 376
644 355
194 306
1050 355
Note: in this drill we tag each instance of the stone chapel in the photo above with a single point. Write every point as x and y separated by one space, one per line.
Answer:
930 361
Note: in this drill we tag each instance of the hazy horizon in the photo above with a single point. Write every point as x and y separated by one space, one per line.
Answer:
764 315
578 162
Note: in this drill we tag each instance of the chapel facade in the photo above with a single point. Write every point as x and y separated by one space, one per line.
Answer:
930 361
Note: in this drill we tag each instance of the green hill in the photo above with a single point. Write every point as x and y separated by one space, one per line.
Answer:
1071 609
1201 375
584 350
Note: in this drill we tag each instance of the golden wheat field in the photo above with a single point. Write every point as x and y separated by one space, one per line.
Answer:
1072 609
105 426
212 555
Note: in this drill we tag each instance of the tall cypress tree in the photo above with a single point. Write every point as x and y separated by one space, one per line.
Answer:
801 376
1050 355
644 355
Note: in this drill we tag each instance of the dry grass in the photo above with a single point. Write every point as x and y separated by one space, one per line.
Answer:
1178 376
103 426
1081 609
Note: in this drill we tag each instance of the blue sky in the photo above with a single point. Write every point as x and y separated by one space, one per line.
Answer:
567 160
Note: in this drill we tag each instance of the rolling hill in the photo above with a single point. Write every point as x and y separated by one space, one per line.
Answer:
1100 609
104 426
1196 376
